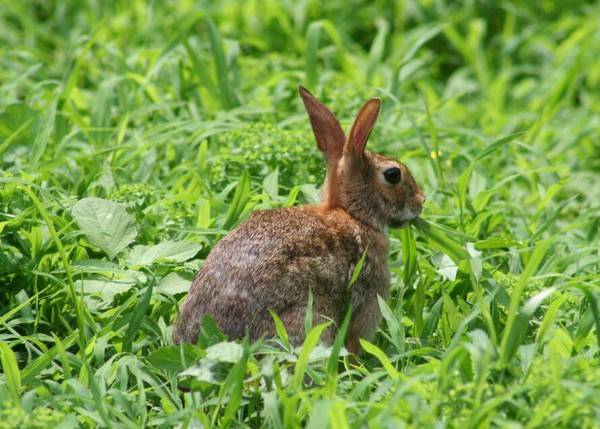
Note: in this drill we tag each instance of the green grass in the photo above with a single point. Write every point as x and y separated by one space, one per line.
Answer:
176 120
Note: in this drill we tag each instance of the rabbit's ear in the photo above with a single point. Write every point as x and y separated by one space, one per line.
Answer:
328 132
362 127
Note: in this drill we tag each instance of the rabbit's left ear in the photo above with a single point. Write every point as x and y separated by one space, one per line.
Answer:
362 127
326 128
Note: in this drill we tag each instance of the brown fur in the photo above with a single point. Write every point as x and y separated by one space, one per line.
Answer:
271 261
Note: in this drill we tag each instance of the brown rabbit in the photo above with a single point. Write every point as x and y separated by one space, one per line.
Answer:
271 261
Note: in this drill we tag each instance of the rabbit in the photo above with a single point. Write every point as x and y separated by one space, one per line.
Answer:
272 260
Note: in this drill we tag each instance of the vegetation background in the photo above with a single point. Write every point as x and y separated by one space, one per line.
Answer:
134 134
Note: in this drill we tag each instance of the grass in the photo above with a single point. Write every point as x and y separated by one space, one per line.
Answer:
134 135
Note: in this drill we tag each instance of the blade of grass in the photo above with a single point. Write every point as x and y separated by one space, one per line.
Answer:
333 360
309 344
77 303
280 329
357 269
372 349
439 240
43 136
313 34
137 317
409 255
308 319
232 386
238 203
11 373
509 344
227 94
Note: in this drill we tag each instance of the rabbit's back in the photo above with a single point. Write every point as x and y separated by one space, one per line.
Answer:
269 263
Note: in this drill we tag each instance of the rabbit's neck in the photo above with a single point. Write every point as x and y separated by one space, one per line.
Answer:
368 219
329 197
361 216
364 210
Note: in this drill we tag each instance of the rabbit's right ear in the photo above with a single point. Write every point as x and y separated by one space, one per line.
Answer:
328 132
362 127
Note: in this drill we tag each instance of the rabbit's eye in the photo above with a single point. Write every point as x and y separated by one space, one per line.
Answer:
393 175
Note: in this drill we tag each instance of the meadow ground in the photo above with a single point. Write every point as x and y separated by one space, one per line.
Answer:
133 135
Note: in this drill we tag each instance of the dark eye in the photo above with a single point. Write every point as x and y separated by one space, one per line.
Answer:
393 175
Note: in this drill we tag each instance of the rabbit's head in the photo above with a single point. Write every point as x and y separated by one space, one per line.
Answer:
374 189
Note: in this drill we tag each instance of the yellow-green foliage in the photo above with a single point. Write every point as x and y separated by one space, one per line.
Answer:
135 134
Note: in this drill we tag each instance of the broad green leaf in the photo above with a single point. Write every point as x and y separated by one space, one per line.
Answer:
105 223
226 351
174 284
107 269
100 293
177 251
202 372
173 358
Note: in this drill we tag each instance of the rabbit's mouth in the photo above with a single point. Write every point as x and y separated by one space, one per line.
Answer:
396 223
407 214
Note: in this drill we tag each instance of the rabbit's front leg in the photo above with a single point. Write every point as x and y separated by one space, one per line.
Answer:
365 314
